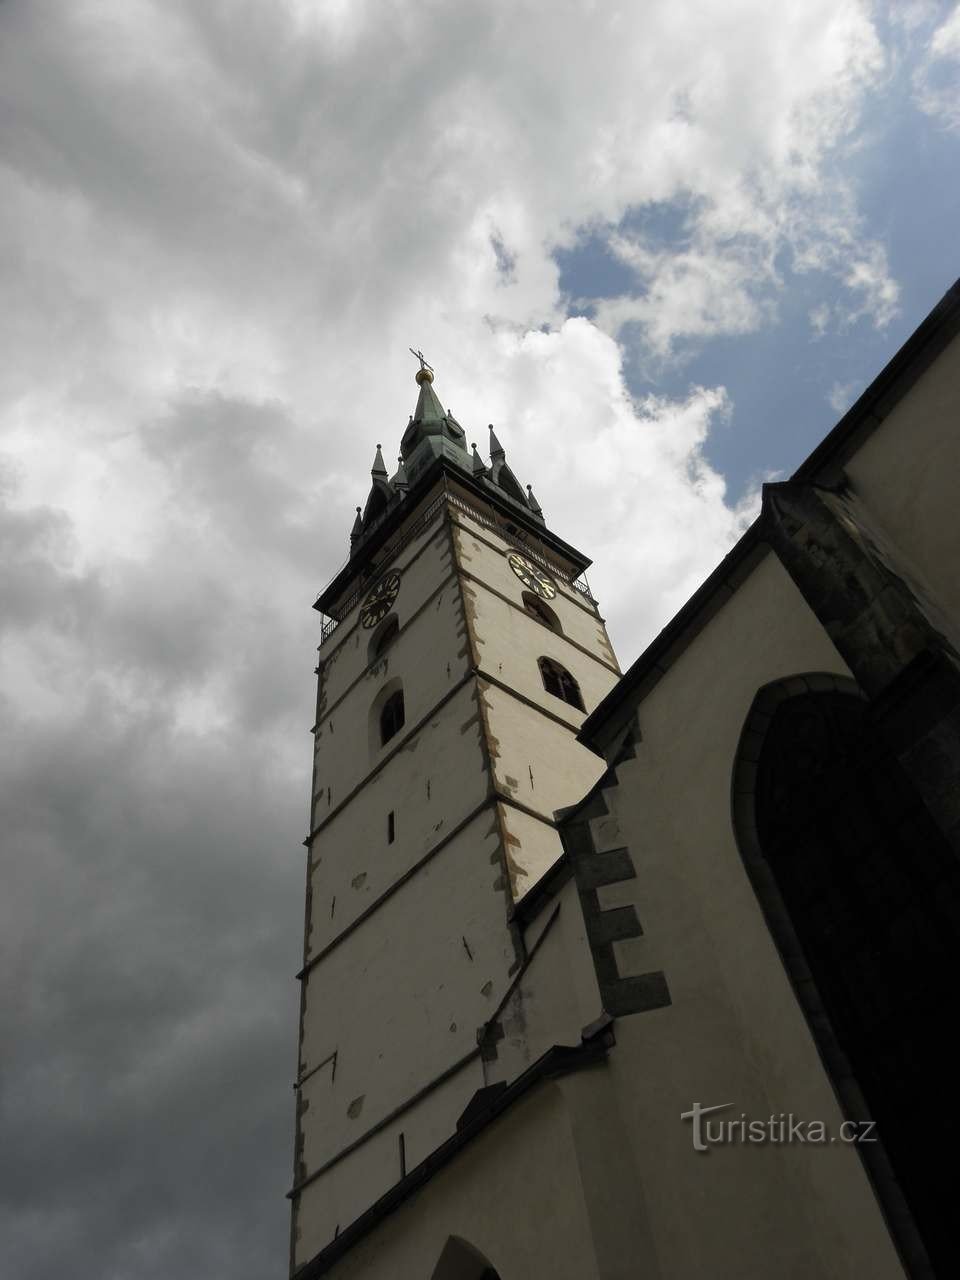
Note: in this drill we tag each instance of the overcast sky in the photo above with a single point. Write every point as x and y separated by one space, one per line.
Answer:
661 246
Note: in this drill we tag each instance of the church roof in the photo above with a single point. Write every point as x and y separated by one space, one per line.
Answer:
433 432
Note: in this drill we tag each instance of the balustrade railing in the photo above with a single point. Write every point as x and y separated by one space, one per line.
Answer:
330 622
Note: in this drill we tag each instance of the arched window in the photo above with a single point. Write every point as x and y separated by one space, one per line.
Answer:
542 612
558 681
391 717
383 637
862 894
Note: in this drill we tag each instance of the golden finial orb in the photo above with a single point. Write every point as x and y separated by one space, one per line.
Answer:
424 373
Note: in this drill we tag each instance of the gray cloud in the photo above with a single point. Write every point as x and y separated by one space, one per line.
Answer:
151 908
221 226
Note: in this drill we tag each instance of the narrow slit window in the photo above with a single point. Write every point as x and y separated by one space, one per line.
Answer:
391 826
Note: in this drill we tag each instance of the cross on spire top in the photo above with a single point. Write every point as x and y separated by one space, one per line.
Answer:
425 373
420 356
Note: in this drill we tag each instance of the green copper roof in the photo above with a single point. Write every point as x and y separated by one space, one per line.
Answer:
431 431
429 408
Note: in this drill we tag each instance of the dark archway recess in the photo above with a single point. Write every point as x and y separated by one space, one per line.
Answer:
862 894
461 1261
392 717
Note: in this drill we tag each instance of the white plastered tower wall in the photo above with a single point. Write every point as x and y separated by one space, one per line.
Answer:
417 964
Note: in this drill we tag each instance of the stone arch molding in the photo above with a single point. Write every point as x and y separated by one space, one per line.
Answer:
743 804
752 739
461 1261
743 797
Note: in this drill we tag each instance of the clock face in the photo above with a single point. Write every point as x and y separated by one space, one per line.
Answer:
380 600
531 575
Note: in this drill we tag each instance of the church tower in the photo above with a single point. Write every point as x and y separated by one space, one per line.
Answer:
461 650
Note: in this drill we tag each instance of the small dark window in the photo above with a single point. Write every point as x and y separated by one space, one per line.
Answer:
543 613
391 717
391 827
558 681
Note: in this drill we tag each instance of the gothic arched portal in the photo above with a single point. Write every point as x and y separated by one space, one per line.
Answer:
862 893
461 1261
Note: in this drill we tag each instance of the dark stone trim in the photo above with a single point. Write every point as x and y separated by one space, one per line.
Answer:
328 711
609 867
384 1122
330 1058
918 715
527 702
501 880
822 466
540 894
620 994
558 1061
636 994
511 803
492 1025
382 763
879 1171
574 597
480 1103
853 578
887 626
365 559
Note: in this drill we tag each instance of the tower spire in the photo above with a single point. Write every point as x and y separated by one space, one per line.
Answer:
432 431
379 470
429 409
497 451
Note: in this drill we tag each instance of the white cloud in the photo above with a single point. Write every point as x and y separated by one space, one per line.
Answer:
841 396
819 318
945 42
697 292
271 206
572 428
937 79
